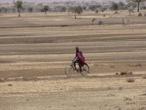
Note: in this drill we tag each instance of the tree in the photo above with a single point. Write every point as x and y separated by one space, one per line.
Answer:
122 5
46 9
19 7
94 7
138 3
60 9
77 11
3 9
30 9
114 6
103 9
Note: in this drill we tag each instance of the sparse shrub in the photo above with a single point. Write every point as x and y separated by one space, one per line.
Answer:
126 73
130 80
144 94
123 73
116 12
103 9
104 15
128 100
140 14
109 88
141 108
97 11
135 65
138 65
120 88
93 20
10 85
63 25
144 77
100 22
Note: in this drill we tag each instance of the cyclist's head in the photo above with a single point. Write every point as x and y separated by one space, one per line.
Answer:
77 49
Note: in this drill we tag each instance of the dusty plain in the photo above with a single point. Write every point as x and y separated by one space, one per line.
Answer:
36 49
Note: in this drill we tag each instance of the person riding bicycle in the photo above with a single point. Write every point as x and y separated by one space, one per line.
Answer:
79 59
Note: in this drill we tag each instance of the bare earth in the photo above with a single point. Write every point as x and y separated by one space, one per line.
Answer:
35 50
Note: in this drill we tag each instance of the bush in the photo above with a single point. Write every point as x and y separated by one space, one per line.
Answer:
116 12
10 85
93 20
130 80
97 11
114 6
144 77
140 14
126 73
100 22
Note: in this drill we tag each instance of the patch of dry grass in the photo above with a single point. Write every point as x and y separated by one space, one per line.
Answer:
130 80
144 77
125 73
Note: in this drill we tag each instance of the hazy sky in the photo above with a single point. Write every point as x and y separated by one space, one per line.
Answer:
53 0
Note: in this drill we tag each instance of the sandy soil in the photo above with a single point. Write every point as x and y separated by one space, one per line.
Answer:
35 50
75 93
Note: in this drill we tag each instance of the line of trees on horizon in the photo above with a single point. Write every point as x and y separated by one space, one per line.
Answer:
77 9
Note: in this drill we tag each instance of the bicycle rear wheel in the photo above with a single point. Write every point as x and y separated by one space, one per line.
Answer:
85 70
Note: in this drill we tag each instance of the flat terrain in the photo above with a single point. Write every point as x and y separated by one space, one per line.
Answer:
36 49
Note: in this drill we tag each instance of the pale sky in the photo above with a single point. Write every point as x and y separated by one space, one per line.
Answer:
4 1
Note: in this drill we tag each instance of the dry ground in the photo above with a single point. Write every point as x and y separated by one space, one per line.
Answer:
36 49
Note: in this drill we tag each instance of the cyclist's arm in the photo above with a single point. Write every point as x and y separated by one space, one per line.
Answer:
75 58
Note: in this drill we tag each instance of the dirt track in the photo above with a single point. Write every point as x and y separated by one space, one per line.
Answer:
34 55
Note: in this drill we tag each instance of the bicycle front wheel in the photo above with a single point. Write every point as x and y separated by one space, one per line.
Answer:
69 71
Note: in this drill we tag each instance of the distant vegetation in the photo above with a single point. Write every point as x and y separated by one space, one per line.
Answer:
45 9
18 5
76 10
138 2
73 7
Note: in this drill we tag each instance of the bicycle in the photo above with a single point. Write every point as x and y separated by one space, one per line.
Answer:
71 70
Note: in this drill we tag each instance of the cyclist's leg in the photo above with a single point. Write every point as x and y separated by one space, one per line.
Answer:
80 66
75 63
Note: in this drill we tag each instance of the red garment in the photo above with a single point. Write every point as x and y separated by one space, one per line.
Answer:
80 57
